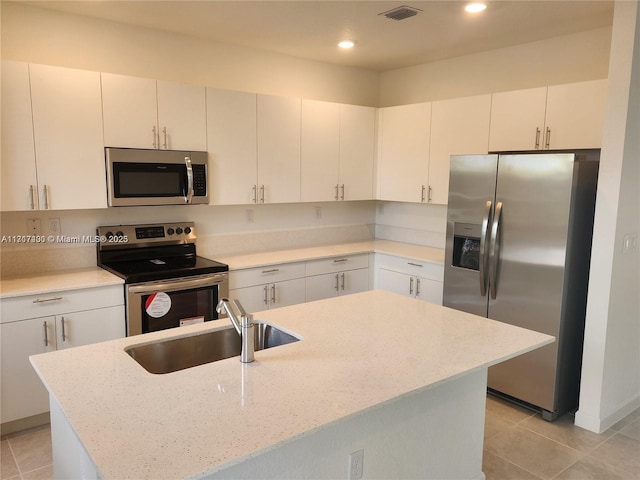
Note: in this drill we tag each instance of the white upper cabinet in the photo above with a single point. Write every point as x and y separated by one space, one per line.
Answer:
568 116
337 151
403 164
458 126
67 125
517 120
232 144
320 151
278 149
357 152
19 182
575 115
145 113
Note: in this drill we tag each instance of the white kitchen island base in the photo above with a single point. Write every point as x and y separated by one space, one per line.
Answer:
401 379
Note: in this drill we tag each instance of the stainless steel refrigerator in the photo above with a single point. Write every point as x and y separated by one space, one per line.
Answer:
518 247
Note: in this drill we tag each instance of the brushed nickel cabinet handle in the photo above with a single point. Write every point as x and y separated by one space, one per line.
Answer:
46 338
417 287
254 190
266 295
46 197
271 270
537 144
164 132
273 293
422 194
64 335
429 195
342 281
34 196
547 138
337 287
261 193
155 137
52 299
340 260
411 286
342 192
414 264
336 194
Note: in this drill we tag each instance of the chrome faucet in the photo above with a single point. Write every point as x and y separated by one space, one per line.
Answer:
244 327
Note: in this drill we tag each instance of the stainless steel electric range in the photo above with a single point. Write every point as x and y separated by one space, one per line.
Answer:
167 284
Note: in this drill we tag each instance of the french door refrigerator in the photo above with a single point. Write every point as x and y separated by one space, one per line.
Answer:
518 249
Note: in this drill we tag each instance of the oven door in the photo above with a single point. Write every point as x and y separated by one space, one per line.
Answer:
163 304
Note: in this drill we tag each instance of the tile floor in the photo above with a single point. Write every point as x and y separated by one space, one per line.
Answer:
519 445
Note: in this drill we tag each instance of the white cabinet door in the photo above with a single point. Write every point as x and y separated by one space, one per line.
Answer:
320 151
357 152
182 117
18 181
395 282
458 126
271 295
91 326
22 392
130 111
403 166
231 140
575 115
517 120
253 299
278 149
288 292
354 281
67 121
428 290
324 286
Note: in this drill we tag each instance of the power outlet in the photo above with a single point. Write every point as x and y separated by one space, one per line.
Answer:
54 226
33 226
356 461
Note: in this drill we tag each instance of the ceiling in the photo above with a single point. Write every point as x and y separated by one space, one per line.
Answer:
311 29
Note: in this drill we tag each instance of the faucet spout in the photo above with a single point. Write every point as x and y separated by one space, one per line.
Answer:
244 327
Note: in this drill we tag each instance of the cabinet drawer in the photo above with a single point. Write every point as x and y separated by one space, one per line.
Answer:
337 264
266 274
56 303
433 271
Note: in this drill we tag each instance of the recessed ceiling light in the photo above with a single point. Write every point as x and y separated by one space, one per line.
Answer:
475 7
347 44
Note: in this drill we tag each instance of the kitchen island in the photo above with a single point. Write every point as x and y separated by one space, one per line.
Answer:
400 379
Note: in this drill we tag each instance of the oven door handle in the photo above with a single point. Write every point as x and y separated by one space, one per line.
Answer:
189 196
176 285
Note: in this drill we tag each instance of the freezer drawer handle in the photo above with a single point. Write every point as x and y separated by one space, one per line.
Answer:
486 220
494 250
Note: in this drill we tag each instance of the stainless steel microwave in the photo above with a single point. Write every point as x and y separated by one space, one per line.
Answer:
137 177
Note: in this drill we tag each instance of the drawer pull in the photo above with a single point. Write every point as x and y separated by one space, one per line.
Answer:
414 264
272 270
54 299
341 260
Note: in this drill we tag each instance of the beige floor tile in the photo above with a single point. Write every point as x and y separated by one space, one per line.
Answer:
632 430
32 450
8 467
620 452
509 412
45 473
496 468
532 452
591 469
564 431
495 424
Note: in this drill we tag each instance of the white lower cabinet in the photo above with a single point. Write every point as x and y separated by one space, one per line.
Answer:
38 324
268 287
413 278
337 276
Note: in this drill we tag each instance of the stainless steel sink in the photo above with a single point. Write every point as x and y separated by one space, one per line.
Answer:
175 354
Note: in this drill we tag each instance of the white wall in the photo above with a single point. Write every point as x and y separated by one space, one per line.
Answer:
610 386
39 35
565 59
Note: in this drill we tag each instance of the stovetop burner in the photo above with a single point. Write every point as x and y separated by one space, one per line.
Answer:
143 253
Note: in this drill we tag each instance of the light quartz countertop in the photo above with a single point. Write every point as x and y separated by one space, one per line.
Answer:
57 281
98 277
357 352
261 259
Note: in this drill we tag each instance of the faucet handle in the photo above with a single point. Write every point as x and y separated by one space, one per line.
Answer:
240 308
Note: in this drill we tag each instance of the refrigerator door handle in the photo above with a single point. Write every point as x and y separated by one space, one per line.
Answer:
494 251
486 220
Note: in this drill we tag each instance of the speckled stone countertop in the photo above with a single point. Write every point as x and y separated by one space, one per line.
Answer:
97 277
57 281
357 352
261 259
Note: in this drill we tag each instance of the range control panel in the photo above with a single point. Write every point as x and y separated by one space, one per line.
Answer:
145 235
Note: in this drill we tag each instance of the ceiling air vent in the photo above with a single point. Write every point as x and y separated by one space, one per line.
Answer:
400 13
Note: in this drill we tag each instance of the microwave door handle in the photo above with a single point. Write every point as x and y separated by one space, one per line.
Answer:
189 196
